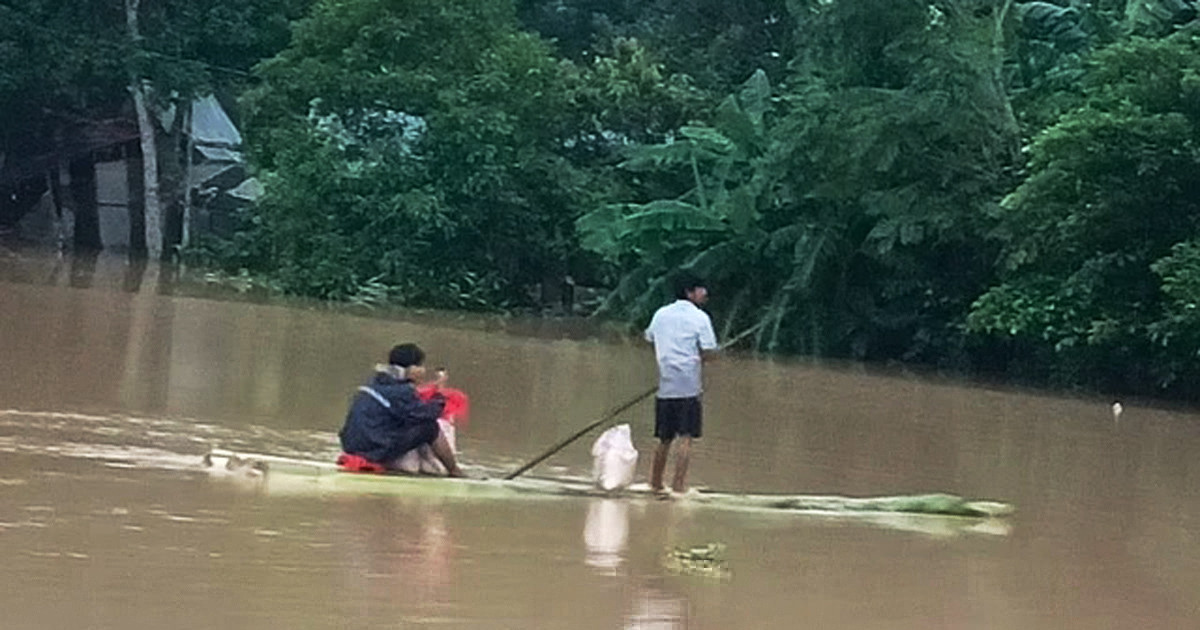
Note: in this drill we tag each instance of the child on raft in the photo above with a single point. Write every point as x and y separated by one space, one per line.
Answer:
388 418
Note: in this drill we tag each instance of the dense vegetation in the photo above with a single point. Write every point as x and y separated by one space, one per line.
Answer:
973 184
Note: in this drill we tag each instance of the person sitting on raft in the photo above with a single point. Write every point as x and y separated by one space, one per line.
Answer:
387 418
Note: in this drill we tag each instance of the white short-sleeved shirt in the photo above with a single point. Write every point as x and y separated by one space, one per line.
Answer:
679 331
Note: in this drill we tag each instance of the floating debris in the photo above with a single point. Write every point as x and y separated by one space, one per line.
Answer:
703 561
230 463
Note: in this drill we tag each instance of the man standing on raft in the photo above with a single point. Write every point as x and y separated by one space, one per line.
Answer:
683 338
387 418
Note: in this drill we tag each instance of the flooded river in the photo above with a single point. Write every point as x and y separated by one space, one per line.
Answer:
114 381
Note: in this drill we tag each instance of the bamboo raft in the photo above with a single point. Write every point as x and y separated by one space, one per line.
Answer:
292 475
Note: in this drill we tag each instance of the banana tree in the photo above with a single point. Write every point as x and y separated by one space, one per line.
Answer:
735 221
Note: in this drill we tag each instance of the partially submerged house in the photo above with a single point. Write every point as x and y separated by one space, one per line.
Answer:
83 188
49 191
217 171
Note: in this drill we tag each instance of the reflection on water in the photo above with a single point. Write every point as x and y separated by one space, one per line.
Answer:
397 555
657 609
606 538
606 534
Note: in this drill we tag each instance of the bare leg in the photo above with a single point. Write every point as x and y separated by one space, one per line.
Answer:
445 454
660 465
682 455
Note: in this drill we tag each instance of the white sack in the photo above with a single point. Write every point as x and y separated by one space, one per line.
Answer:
614 459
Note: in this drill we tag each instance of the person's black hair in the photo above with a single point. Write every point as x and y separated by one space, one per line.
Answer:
406 355
685 283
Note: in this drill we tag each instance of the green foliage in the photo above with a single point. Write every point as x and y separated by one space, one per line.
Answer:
713 224
60 55
1093 263
841 213
1157 17
1176 334
66 62
625 95
201 46
715 43
465 198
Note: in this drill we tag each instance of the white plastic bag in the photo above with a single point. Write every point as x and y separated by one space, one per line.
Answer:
614 459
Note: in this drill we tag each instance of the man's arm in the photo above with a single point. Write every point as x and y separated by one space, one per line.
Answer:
408 406
709 350
648 335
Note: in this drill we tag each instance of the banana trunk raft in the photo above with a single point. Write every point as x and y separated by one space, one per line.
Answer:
285 475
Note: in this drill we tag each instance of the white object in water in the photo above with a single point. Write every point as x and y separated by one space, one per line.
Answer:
614 459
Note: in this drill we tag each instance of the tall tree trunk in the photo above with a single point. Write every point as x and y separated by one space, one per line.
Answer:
137 88
55 186
1009 125
64 219
87 206
171 180
186 237
135 183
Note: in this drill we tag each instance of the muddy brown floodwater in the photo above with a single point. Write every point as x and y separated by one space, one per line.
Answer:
114 381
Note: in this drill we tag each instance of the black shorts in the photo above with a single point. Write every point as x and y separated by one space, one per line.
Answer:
677 416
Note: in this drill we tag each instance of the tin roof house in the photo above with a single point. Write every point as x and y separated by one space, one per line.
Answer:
81 184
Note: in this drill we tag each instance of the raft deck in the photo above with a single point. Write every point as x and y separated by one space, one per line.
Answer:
293 475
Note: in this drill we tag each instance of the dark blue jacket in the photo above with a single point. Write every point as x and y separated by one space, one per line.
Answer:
387 419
